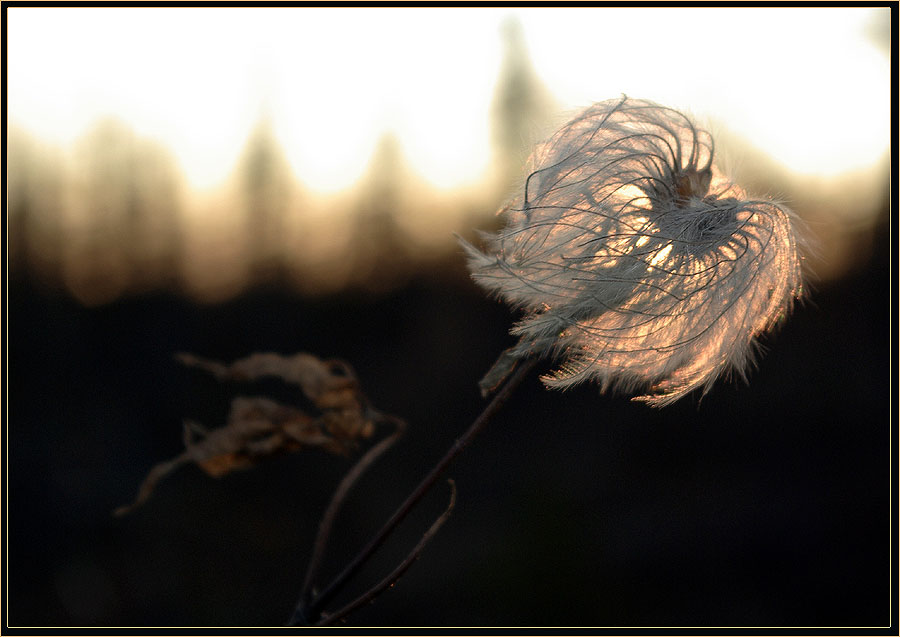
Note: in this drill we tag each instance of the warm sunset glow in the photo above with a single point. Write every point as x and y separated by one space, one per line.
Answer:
331 82
212 149
809 88
804 85
660 257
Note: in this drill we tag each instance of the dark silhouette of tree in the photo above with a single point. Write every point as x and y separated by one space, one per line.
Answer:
522 107
378 245
267 188
36 179
123 215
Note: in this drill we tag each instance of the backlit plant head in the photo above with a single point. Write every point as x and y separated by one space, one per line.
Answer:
637 262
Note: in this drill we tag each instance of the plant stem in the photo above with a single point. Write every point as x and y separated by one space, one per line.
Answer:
338 499
398 572
310 614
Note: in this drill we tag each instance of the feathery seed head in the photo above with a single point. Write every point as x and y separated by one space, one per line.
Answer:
637 263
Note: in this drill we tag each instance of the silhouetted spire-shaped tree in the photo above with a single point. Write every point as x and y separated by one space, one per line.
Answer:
35 177
378 241
522 106
266 188
124 214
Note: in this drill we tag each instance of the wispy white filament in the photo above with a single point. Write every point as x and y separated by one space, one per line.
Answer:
636 261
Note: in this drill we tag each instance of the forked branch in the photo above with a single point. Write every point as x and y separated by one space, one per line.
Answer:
397 573
310 613
338 499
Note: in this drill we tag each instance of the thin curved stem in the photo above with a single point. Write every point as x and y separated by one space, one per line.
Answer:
338 499
310 613
397 573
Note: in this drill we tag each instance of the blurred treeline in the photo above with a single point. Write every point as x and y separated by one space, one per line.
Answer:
114 215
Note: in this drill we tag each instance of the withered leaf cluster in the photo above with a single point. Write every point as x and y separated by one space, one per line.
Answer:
259 427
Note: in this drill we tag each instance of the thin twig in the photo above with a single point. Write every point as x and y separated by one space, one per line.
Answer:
398 572
338 499
312 612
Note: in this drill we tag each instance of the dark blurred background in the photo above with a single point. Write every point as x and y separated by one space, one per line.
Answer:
763 504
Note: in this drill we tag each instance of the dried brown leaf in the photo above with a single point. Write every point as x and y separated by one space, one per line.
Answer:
259 427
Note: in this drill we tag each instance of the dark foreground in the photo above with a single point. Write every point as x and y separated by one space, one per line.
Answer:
764 504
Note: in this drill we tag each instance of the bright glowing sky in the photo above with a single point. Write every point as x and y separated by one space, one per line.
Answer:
807 85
